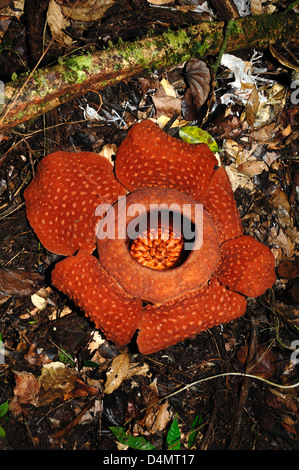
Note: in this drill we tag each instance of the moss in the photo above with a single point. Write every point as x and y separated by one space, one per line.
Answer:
76 68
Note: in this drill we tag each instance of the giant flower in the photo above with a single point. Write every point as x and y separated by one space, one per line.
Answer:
129 264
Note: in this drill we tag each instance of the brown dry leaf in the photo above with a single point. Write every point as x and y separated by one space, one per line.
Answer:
87 10
159 2
37 356
3 3
256 7
252 168
283 60
40 298
166 104
252 106
137 369
27 388
117 372
282 207
168 88
198 77
55 381
264 362
17 283
281 402
288 269
283 241
57 22
157 415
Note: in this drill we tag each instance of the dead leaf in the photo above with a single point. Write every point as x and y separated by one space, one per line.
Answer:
167 105
37 356
283 60
17 283
57 22
117 372
168 88
27 388
3 3
284 242
264 362
40 298
87 10
252 106
198 77
137 369
256 7
288 269
157 415
255 167
55 381
159 2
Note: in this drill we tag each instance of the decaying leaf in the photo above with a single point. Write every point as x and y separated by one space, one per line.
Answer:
283 60
198 77
265 361
252 106
157 415
17 283
55 380
159 2
271 104
288 268
256 7
40 298
165 100
117 372
27 388
253 168
87 10
241 70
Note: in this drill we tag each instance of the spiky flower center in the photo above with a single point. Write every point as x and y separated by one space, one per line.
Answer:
158 248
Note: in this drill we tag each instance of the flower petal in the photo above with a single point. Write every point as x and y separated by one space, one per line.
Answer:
221 205
82 278
247 266
149 157
62 198
167 325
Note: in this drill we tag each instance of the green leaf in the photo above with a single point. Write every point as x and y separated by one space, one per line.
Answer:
195 135
4 408
197 422
2 433
173 438
139 443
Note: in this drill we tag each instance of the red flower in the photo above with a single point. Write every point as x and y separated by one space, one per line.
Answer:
148 283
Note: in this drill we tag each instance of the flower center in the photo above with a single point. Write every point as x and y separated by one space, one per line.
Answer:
159 244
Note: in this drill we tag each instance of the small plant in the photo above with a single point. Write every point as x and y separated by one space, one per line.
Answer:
3 411
173 437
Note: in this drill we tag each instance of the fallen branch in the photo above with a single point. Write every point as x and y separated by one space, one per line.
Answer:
29 97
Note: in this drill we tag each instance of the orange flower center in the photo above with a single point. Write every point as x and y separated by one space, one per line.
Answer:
158 248
159 245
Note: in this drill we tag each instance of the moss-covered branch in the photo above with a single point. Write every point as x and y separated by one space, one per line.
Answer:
31 96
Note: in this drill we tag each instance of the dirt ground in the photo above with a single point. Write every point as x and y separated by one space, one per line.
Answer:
40 327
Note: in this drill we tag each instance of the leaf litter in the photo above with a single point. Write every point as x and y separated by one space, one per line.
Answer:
75 389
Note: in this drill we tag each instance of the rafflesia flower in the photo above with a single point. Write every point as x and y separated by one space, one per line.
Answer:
154 245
